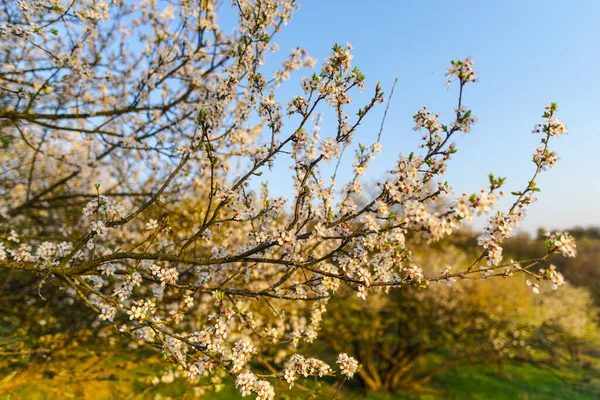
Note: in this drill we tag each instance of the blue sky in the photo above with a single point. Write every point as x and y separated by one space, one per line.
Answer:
527 54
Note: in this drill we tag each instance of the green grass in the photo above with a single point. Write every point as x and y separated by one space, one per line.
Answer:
485 382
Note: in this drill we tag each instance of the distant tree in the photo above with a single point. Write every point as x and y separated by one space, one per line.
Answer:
413 335
592 232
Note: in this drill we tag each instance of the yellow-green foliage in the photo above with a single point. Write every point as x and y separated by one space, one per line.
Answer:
412 335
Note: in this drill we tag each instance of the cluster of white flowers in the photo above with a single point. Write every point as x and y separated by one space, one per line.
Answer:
108 269
414 273
13 236
142 309
552 126
124 289
22 253
330 148
223 193
196 370
425 119
298 366
449 280
107 312
20 32
498 228
100 11
482 203
328 284
561 242
106 207
248 383
348 365
286 238
264 390
553 276
99 227
46 252
544 158
188 301
166 275
463 70
464 121
271 109
339 61
275 206
243 350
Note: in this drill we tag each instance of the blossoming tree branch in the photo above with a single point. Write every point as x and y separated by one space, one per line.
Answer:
133 137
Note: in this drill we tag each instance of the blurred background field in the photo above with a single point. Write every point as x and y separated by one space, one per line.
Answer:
496 340
84 372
